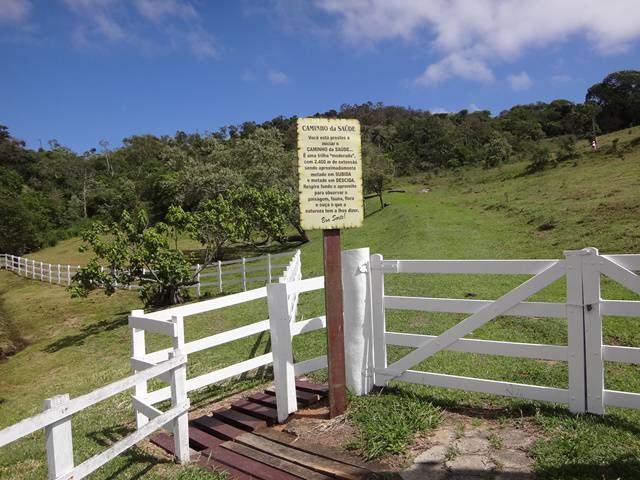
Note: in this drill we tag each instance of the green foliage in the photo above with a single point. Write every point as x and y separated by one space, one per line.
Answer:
568 149
388 421
133 252
540 159
378 171
497 151
618 96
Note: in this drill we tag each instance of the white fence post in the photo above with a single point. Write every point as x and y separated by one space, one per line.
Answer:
19 258
41 272
68 274
357 337
59 440
179 394
283 368
59 280
198 280
138 350
244 274
575 331
378 320
220 275
593 331
268 268
50 278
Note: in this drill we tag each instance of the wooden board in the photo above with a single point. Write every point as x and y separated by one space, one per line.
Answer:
239 419
247 465
315 449
264 399
275 462
302 458
304 398
205 461
270 415
217 427
317 388
200 440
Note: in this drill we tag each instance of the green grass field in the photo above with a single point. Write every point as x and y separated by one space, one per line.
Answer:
74 346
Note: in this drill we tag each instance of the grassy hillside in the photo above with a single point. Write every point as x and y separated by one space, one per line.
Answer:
76 345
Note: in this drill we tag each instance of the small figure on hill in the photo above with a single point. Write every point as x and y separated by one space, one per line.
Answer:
594 144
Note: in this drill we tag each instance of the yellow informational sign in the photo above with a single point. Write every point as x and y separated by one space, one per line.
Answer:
330 171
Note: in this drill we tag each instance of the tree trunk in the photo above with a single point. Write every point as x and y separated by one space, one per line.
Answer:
381 201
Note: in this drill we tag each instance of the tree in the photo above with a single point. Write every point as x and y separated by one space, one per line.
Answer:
497 151
540 159
377 173
619 97
132 252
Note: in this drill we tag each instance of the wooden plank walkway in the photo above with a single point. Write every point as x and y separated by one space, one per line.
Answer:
237 440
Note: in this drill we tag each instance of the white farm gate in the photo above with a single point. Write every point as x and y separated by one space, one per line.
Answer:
583 310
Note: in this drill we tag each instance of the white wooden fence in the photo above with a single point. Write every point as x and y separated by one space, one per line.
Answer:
583 310
585 353
221 275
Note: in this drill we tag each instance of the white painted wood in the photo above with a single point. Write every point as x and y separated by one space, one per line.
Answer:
593 331
620 308
41 272
58 440
309 325
621 399
179 395
281 342
33 269
454 305
306 366
269 268
54 414
575 331
620 274
476 320
506 389
213 377
507 267
198 281
91 465
628 261
59 277
612 353
161 327
140 364
378 319
220 276
208 305
485 347
306 285
68 274
212 341
244 274
138 350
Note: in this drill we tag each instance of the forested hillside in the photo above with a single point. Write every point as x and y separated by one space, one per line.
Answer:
52 193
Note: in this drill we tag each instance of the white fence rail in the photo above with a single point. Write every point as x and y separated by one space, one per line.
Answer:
220 275
583 311
585 352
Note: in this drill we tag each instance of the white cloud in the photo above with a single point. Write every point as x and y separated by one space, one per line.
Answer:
14 11
276 77
520 81
149 25
473 35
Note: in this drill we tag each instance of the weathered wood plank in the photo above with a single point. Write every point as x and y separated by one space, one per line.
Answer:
304 398
317 388
201 440
247 465
305 459
207 461
264 399
270 415
315 449
275 462
217 427
239 419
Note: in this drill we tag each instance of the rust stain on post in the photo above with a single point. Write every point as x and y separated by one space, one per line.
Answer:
335 322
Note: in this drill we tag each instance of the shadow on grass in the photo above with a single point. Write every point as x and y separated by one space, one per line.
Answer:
86 332
133 457
626 467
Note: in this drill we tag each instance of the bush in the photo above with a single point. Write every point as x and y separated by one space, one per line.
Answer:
540 160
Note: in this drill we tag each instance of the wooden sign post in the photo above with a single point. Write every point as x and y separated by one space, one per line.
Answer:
330 185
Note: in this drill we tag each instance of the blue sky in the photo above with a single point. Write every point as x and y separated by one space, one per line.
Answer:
80 71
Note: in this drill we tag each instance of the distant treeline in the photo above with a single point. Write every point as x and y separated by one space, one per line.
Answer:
47 194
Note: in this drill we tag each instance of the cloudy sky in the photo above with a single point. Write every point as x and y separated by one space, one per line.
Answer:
84 70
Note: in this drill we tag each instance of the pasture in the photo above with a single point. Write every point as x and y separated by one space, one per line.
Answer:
76 345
